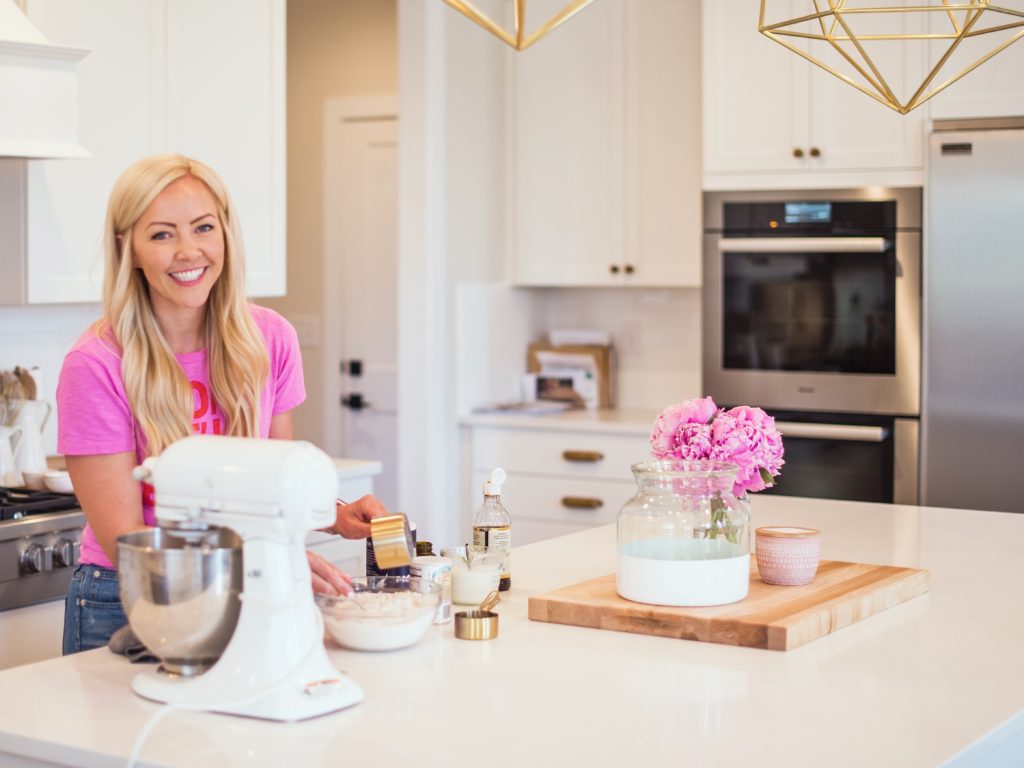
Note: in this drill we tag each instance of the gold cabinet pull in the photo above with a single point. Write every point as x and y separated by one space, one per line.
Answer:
581 502
798 153
586 456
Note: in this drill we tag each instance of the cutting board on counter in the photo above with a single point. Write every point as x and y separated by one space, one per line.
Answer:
772 617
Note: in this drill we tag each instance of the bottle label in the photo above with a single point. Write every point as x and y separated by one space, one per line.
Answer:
499 538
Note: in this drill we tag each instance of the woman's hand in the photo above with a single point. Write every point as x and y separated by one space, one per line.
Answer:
328 579
353 520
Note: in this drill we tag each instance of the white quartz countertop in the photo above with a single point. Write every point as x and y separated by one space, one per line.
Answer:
626 421
936 680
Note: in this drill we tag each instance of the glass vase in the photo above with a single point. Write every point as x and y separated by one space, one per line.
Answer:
684 538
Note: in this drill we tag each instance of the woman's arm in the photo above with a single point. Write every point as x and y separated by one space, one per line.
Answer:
109 496
281 427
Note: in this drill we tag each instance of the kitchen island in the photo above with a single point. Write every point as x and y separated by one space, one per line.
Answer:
935 680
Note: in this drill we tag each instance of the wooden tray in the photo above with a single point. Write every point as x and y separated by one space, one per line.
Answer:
776 618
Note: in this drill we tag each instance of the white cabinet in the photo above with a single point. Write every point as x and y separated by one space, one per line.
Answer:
65 201
30 634
993 89
604 147
226 106
558 481
204 79
772 119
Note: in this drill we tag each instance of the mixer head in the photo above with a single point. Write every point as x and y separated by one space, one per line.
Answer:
280 488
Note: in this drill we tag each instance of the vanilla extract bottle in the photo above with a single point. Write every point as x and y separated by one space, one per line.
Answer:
492 526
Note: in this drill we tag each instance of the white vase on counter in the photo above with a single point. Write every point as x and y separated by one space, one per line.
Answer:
684 538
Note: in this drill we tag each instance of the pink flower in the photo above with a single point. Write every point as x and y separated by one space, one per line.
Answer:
743 436
665 436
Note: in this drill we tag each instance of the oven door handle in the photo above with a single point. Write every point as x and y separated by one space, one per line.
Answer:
813 431
803 244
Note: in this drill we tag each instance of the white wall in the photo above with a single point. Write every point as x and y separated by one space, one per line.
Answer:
336 49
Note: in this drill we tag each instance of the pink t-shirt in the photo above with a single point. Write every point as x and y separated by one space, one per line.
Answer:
94 416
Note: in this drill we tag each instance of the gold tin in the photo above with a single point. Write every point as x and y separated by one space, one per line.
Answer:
392 541
476 625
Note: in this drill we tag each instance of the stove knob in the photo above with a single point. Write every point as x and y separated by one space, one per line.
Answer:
32 559
65 553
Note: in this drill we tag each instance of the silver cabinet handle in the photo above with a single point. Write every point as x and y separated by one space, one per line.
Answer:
803 244
832 431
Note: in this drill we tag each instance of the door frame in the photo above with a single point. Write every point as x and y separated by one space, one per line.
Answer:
337 112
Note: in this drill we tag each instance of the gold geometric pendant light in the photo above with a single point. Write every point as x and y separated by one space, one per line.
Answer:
518 38
856 33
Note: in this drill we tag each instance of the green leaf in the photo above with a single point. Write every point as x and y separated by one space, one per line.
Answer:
766 476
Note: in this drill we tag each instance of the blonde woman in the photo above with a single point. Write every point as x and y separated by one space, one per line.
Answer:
179 350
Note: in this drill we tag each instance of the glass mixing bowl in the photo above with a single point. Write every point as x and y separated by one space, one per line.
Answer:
383 613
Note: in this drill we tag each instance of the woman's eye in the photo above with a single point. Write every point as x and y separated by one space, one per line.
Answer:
204 228
161 235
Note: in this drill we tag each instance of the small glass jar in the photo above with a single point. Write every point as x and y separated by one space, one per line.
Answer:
684 538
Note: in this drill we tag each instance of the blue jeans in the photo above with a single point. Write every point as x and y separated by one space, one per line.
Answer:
92 609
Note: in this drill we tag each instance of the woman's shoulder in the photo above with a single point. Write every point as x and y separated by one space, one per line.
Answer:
97 341
271 323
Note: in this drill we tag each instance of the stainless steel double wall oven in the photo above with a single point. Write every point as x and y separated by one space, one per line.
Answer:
812 311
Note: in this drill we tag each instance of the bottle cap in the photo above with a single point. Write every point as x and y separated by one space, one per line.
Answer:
492 486
424 548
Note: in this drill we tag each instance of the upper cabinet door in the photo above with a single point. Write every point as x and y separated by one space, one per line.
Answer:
604 171
994 89
774 120
120 102
755 95
226 107
852 131
566 161
663 150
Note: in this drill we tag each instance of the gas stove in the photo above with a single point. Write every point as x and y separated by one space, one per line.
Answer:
40 537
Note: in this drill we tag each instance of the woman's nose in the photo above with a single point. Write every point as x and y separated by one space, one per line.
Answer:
188 245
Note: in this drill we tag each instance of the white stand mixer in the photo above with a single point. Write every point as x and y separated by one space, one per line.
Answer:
271 493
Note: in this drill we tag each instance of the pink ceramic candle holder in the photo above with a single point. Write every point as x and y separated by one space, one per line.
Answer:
787 555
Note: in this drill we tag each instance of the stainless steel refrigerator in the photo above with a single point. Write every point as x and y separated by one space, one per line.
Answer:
972 421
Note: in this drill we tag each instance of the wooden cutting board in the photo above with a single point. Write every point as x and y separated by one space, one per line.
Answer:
772 617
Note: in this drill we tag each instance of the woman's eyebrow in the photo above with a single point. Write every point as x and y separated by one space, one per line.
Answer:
169 224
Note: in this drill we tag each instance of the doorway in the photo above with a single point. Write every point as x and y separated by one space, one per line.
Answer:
361 284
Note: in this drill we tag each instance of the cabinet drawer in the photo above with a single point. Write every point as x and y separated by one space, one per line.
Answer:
576 454
558 505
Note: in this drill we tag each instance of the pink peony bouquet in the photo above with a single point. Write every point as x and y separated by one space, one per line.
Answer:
744 436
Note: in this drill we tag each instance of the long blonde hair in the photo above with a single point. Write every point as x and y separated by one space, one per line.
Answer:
158 390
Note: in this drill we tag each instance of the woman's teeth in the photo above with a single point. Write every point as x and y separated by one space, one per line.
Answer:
188 276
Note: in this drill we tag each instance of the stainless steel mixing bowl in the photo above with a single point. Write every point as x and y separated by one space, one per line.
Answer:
180 593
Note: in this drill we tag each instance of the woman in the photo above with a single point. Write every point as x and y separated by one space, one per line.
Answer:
178 350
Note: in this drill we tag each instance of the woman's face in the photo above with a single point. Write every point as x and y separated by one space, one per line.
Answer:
178 243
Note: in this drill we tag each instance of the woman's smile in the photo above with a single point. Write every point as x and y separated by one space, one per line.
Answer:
188 277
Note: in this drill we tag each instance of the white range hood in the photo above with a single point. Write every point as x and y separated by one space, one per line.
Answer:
38 91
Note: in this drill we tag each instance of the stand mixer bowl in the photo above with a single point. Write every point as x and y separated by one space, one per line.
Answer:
180 591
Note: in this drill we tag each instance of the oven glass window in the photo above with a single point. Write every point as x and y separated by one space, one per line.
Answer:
837 469
810 311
